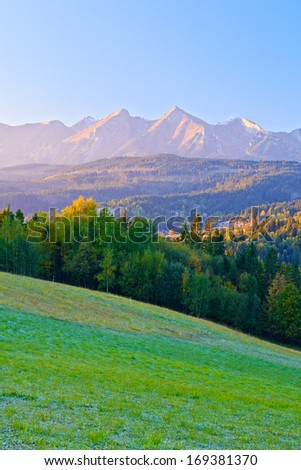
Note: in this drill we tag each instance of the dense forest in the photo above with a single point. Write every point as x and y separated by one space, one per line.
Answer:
253 287
283 222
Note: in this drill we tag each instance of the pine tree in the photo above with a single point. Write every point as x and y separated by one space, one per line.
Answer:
284 311
271 267
20 216
196 229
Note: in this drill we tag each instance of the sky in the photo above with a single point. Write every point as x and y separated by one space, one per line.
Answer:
216 59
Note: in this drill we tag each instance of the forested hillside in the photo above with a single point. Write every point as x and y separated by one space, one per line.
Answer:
197 273
154 185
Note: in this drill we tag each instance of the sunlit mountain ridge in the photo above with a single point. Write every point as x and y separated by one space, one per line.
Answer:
121 134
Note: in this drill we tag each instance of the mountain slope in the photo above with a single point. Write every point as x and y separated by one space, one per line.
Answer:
183 134
153 185
176 132
104 138
84 123
118 134
89 370
31 143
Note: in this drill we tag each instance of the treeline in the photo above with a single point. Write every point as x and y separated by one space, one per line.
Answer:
196 274
284 227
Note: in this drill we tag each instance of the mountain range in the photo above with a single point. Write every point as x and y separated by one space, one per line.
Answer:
121 134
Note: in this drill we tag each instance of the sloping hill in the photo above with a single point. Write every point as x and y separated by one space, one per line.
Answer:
87 370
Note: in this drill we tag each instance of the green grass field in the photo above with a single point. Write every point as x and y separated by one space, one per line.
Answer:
87 370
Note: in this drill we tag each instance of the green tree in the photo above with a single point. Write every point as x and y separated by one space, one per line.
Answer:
271 267
108 268
196 293
284 311
196 230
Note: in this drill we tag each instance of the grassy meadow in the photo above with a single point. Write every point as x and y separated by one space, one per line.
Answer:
88 370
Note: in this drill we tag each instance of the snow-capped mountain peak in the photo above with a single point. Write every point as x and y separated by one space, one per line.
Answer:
176 132
84 123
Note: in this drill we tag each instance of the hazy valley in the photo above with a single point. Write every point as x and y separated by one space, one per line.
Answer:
153 185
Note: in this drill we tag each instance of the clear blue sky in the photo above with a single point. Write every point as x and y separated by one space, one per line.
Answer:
65 59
